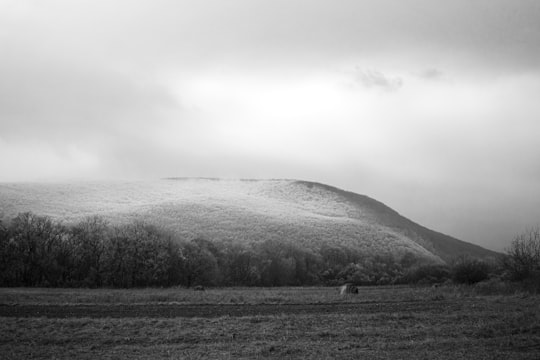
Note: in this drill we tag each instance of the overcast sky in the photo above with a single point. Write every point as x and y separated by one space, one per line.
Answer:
432 107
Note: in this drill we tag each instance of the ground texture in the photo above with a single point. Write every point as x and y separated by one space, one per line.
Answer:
412 324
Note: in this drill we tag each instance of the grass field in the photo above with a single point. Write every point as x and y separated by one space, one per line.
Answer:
310 323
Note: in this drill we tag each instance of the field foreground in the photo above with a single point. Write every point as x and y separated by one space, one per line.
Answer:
379 323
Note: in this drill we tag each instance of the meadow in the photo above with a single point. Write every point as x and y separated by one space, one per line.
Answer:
396 322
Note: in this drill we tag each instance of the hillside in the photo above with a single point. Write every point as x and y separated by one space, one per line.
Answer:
245 211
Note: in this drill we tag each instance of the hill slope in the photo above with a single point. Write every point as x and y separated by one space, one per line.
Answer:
245 211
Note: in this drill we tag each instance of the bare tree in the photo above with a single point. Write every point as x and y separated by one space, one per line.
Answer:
523 256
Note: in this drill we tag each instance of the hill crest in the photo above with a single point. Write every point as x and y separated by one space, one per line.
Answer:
246 210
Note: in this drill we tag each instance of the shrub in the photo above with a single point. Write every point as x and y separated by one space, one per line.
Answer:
495 286
427 274
470 271
522 261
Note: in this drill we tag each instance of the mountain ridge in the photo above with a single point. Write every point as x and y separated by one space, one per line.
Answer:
442 242
307 213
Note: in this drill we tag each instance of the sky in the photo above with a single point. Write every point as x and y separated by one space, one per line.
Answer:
430 106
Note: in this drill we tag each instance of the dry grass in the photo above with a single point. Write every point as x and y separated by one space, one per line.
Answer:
489 327
278 295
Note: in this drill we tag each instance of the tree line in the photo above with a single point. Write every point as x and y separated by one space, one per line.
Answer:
38 251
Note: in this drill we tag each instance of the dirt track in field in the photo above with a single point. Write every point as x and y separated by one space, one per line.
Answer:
211 310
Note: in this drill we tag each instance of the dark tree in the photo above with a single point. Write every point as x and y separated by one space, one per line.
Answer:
139 254
199 264
242 266
39 253
88 239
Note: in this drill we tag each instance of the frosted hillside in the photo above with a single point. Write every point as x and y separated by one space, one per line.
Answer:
244 211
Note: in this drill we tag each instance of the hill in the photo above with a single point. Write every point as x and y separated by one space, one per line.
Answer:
308 214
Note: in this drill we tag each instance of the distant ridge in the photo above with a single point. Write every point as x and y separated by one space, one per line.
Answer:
444 246
309 214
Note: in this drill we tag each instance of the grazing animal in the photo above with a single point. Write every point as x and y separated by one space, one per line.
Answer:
348 289
198 288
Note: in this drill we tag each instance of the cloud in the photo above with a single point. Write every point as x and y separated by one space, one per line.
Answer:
63 104
376 79
252 88
165 33
431 74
